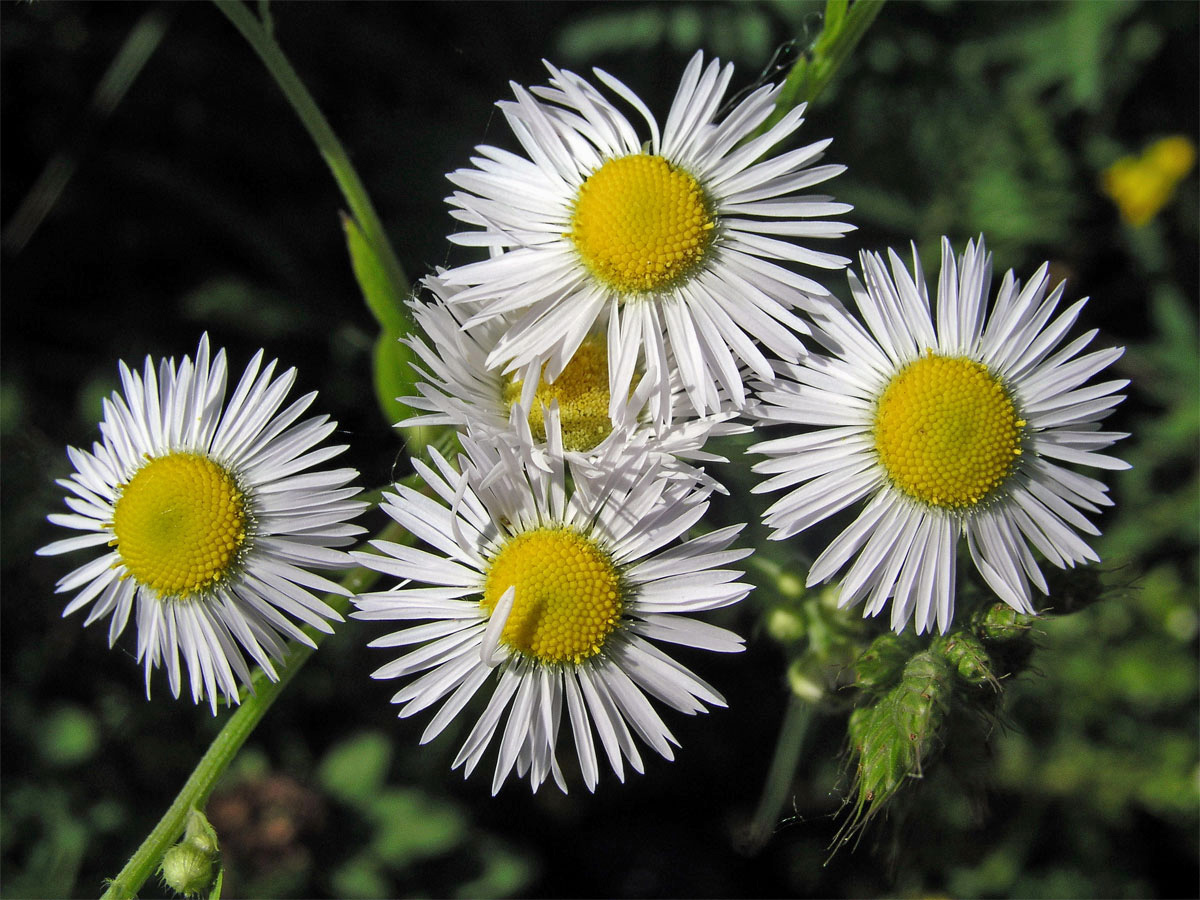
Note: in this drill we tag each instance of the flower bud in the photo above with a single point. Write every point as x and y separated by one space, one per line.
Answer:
880 665
806 678
965 652
898 732
786 623
187 870
188 867
1000 623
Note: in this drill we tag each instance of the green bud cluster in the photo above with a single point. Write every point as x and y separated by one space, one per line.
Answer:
189 867
894 736
911 695
919 697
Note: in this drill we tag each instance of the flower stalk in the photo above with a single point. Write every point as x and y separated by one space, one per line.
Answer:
196 790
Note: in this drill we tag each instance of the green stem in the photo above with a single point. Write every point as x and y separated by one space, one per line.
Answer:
260 38
845 25
783 769
229 740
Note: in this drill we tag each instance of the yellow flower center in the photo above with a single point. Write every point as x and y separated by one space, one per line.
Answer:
947 431
581 390
567 597
641 224
179 524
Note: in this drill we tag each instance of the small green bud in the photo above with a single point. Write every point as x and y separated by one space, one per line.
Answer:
786 623
880 665
189 866
188 870
965 652
790 585
805 678
894 735
1001 623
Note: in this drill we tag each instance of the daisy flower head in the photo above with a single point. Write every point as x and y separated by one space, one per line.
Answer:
554 593
952 421
207 517
681 240
457 389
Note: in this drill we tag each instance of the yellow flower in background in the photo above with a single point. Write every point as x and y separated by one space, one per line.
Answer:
1142 186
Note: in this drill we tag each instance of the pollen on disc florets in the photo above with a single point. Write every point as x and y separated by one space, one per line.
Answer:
641 224
567 598
947 432
581 390
180 524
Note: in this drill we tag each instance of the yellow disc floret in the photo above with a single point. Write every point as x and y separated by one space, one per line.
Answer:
641 224
947 432
581 390
179 524
567 596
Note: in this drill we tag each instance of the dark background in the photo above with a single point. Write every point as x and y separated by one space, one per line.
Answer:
197 202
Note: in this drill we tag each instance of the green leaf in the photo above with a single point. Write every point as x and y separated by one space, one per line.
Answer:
505 873
411 825
394 376
69 737
384 297
835 14
355 769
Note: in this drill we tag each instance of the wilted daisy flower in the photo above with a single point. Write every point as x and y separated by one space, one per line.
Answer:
948 429
554 597
678 239
457 389
208 518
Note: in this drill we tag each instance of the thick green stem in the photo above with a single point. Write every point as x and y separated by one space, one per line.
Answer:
260 38
226 744
783 769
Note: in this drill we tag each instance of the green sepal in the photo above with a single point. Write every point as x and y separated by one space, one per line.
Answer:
923 699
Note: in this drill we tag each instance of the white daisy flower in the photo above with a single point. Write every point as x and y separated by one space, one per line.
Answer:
209 519
953 428
457 389
555 596
680 242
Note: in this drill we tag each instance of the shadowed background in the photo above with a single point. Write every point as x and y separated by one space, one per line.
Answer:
145 204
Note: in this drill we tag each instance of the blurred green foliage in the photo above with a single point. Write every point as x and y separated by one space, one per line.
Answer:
197 202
